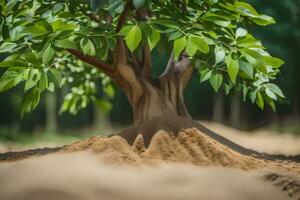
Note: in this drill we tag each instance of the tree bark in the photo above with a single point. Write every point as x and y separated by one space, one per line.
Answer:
164 96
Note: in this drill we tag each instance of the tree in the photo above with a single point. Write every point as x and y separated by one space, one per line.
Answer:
50 43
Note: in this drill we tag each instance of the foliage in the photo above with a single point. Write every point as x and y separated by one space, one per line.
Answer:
37 34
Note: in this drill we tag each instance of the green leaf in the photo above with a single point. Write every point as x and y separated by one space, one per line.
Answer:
48 54
125 30
271 94
271 103
245 8
245 92
138 3
252 56
240 32
10 4
134 38
191 47
247 41
153 38
274 62
57 8
255 58
10 79
33 78
263 20
30 101
175 35
109 91
196 42
219 54
60 25
216 19
65 44
216 81
36 29
43 83
260 101
50 87
253 95
167 23
66 103
179 45
275 89
55 76
232 67
205 74
104 106
7 47
13 63
87 47
227 88
247 68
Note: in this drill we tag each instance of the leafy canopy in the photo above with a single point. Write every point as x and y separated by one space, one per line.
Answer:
36 34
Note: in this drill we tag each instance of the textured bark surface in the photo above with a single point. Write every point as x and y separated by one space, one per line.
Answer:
165 97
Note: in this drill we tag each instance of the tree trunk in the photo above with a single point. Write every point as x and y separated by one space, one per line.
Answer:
165 98
218 107
100 120
235 110
159 104
50 101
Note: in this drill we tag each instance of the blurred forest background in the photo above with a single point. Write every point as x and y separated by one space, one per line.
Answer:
281 39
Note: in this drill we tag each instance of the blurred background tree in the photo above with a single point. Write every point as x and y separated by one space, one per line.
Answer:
282 40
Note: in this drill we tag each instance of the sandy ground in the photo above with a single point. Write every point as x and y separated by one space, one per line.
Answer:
81 176
266 141
3 148
188 166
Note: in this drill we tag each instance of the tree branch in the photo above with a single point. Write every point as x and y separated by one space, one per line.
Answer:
182 69
146 61
120 52
170 66
126 71
106 68
122 17
135 61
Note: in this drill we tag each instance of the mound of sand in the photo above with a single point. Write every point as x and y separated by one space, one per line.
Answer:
189 147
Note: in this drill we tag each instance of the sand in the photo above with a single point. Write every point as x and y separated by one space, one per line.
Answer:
261 140
189 147
187 166
81 176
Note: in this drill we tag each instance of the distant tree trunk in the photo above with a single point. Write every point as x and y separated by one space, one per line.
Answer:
218 107
101 121
296 108
235 110
50 103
